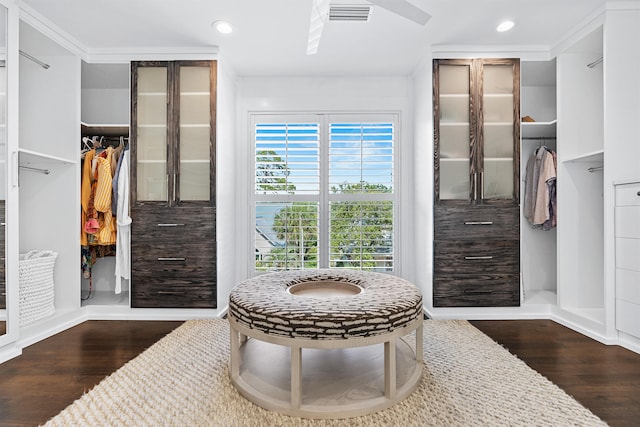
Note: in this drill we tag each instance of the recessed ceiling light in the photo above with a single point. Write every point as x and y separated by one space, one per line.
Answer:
223 27
505 26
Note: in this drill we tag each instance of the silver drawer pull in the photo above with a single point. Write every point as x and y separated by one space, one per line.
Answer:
171 259
478 223
171 292
478 257
4 223
170 225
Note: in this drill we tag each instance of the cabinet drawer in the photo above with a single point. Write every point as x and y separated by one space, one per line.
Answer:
462 257
173 260
484 222
477 291
151 223
628 194
628 221
159 292
628 318
628 285
628 253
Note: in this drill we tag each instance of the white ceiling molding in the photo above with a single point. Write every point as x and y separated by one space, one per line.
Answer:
115 55
120 55
51 30
623 5
593 21
529 53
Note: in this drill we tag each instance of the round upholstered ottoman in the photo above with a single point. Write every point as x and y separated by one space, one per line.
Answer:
326 309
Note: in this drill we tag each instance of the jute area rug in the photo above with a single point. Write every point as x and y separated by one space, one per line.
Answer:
468 380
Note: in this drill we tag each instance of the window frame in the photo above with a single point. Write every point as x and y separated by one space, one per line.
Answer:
324 119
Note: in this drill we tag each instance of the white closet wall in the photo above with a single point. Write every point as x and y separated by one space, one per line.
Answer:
538 247
581 283
48 135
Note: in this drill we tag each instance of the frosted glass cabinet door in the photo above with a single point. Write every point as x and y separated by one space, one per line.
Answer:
476 131
498 126
151 134
173 112
454 126
195 135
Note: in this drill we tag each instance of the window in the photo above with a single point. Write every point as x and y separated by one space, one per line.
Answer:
324 191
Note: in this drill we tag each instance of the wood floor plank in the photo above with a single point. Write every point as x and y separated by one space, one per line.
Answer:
51 374
605 379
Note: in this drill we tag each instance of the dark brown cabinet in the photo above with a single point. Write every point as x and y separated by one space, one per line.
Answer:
173 230
476 164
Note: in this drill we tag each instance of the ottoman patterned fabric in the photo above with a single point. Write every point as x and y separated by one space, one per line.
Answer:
385 304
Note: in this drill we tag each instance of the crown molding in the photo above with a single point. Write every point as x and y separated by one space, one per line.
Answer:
112 55
51 30
525 52
578 32
142 53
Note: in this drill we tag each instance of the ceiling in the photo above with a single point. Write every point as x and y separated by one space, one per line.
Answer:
270 36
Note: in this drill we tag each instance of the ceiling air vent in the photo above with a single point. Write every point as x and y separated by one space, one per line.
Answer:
349 13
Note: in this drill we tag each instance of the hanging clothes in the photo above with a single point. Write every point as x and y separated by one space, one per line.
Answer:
540 204
123 257
98 234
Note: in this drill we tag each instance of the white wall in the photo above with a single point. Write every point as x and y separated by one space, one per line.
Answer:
105 106
226 189
49 213
622 93
621 114
333 94
423 163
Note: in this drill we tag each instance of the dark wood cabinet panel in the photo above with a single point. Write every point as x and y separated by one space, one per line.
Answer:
173 230
166 292
160 223
476 261
478 257
480 222
480 290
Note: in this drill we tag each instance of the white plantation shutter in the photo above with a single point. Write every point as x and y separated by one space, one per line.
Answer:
324 191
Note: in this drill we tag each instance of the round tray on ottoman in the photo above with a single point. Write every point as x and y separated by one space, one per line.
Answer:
354 327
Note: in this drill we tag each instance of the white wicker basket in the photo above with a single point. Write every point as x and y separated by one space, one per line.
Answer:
36 285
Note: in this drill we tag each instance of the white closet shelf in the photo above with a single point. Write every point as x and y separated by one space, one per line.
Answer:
498 124
30 157
539 129
498 95
104 129
540 297
594 156
443 124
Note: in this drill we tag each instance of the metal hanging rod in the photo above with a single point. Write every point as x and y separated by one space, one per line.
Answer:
596 62
43 171
595 169
36 60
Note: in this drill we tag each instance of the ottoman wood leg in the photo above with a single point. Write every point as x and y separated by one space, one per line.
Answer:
234 359
296 377
390 369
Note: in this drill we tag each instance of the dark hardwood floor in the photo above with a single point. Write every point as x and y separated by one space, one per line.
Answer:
53 373
605 379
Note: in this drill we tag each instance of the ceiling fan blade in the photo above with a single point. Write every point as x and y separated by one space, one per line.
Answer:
319 15
404 9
